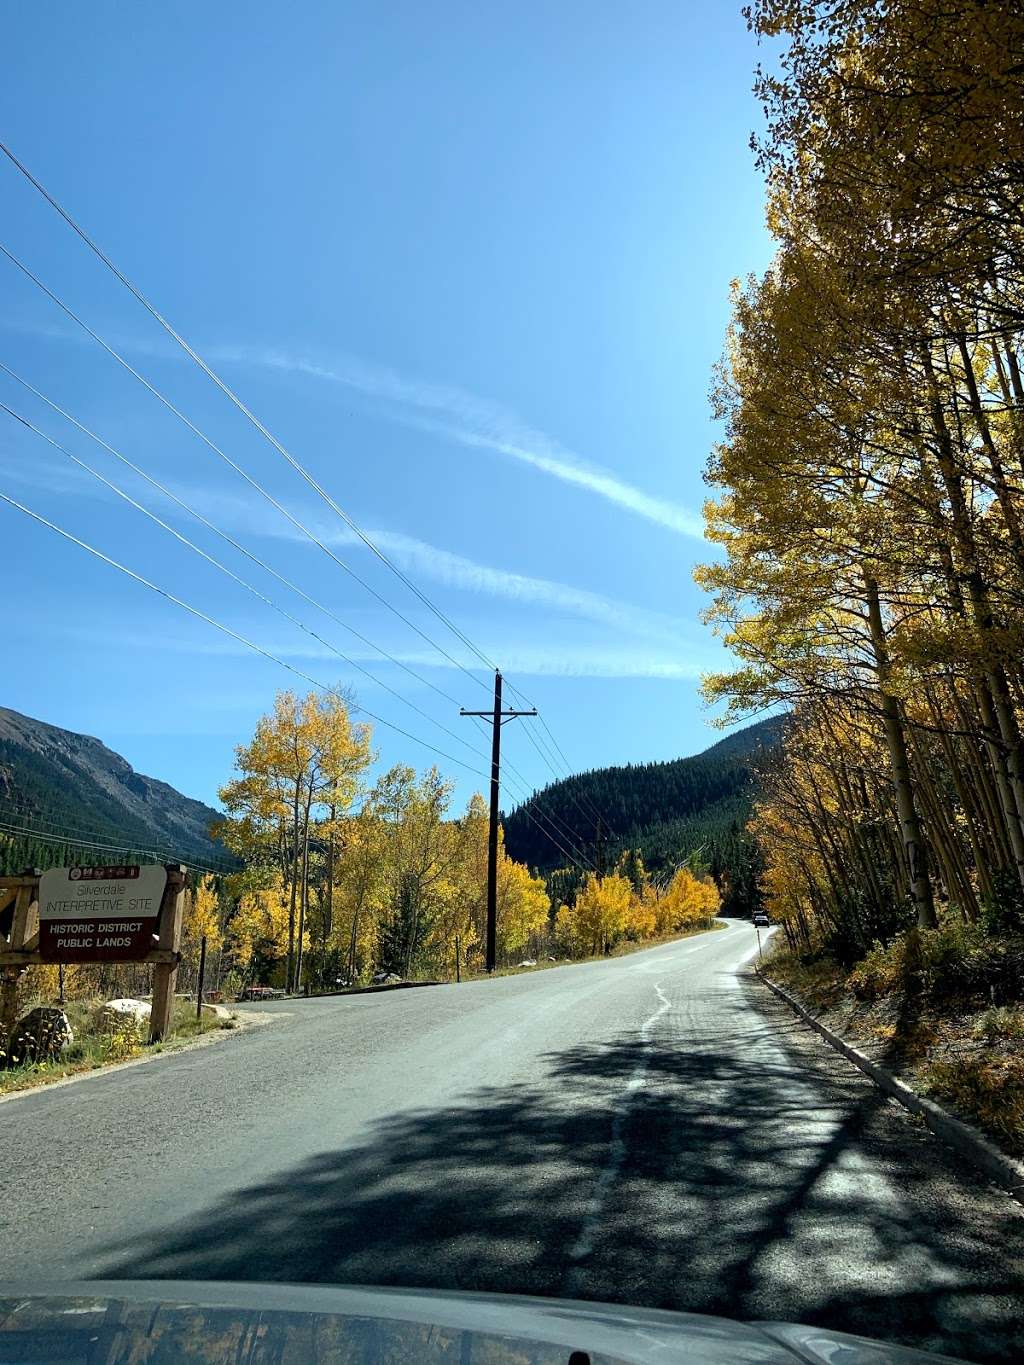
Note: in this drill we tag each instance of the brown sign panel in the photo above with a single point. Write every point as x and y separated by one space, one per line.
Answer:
99 914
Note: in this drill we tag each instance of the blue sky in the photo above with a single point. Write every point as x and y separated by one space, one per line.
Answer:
470 263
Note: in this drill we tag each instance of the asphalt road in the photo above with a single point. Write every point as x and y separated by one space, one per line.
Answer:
654 1129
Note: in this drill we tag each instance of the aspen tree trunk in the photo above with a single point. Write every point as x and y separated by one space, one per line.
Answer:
304 898
999 807
353 940
1006 816
910 823
329 909
1014 401
944 841
997 706
289 975
1004 496
852 811
982 856
1014 368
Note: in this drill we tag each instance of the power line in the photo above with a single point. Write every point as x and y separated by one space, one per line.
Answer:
55 836
264 431
221 454
233 397
575 861
65 840
225 536
26 810
558 778
233 634
570 776
554 824
546 756
522 697
22 809
35 516
564 781
120 492
525 796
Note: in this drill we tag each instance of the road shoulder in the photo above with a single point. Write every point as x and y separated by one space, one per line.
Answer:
244 1020
966 1140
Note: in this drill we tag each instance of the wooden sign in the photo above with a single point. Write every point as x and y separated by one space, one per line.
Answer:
79 911
100 914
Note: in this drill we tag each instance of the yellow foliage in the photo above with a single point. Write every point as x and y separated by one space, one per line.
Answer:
523 906
600 915
643 916
689 900
259 924
202 919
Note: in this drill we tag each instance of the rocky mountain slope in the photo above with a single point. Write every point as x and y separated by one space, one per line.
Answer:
70 794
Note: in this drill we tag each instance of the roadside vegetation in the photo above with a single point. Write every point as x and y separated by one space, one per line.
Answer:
342 882
100 1041
868 502
941 1007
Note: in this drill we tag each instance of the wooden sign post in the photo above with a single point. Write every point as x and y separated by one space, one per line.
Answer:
18 918
165 972
92 917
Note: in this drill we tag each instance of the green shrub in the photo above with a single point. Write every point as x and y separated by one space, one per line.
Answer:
965 962
864 923
1003 913
956 961
998 1023
988 1088
882 971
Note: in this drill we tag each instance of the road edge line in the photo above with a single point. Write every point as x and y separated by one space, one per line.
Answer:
998 1165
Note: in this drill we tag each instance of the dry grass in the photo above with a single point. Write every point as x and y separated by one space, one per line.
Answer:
95 1047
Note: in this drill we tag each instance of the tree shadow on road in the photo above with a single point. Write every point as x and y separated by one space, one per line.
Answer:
744 1185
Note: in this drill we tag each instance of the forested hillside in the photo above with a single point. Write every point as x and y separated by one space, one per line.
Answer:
666 812
68 798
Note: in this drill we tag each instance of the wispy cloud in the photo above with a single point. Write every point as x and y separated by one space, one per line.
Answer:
453 570
473 422
31 466
527 659
242 512
443 409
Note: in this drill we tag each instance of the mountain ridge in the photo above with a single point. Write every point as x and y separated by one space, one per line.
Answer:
69 790
667 810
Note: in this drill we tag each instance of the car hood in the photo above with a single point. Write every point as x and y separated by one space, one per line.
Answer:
204 1322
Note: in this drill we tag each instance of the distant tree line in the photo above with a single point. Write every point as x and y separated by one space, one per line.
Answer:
667 813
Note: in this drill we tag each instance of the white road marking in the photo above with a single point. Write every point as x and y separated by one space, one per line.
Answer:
584 1244
616 1150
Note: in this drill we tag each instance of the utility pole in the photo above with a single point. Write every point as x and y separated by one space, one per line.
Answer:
497 717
